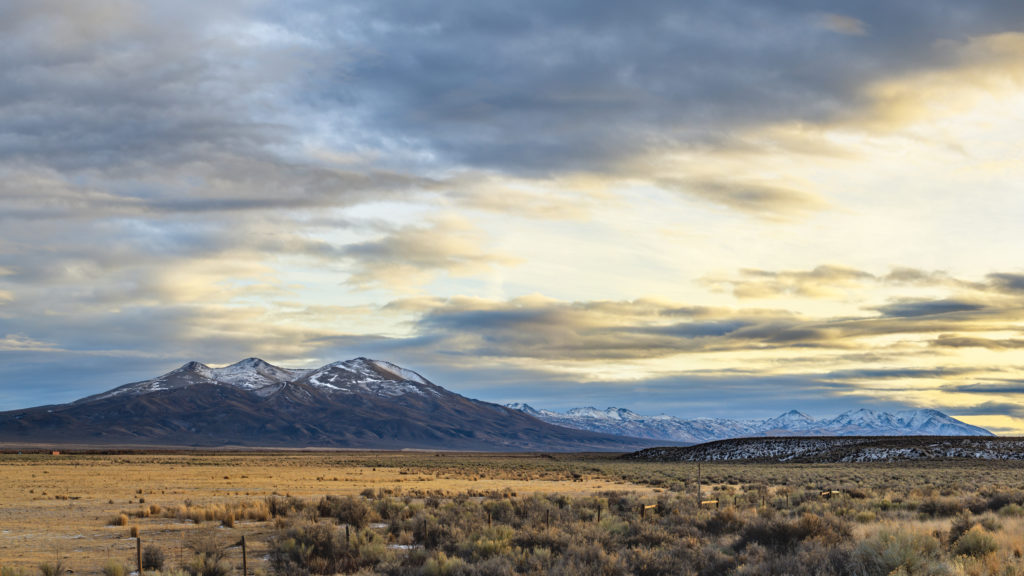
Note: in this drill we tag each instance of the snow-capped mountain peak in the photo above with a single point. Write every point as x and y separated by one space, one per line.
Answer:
363 375
792 420
860 422
194 366
254 373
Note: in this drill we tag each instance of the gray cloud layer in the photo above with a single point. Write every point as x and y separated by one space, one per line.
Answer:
144 145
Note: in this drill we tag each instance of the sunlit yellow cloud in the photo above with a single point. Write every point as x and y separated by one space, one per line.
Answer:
1001 424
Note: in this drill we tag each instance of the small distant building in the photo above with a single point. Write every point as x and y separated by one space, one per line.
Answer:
55 453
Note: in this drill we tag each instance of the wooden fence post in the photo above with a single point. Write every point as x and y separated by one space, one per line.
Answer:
245 564
698 485
138 553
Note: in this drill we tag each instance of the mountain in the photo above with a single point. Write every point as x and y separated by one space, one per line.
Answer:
860 422
358 403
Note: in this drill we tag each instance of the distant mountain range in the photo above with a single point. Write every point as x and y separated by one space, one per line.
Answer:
860 422
373 404
358 403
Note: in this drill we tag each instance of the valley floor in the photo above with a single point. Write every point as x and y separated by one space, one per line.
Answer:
82 508
60 506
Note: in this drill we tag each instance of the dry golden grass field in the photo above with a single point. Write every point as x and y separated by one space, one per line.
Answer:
62 506
81 509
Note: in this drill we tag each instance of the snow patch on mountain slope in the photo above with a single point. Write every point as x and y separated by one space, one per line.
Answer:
400 372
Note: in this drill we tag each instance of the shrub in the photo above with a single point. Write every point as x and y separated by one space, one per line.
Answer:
323 549
964 522
152 558
119 520
725 521
589 559
203 565
442 565
209 559
976 542
52 569
346 509
941 507
1012 510
114 568
313 548
782 535
906 551
279 506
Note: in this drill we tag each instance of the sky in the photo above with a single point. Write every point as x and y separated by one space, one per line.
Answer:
729 208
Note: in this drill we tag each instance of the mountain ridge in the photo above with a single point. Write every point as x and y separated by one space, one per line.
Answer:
357 403
858 422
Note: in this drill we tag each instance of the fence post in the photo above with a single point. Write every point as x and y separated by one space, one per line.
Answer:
698 485
599 514
245 565
138 553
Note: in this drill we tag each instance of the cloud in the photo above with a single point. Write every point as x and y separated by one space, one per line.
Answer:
20 342
412 254
896 373
1007 282
760 199
956 341
821 282
960 71
587 85
1005 387
841 24
914 276
599 331
841 282
913 308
